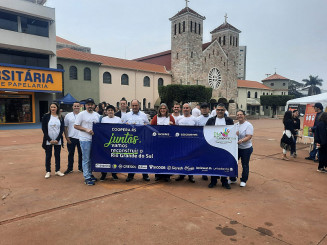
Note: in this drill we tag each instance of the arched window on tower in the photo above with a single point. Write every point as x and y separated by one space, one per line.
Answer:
87 74
191 26
73 73
175 29
233 41
160 82
183 26
249 94
230 40
256 95
199 28
236 42
194 27
219 40
224 40
192 54
179 28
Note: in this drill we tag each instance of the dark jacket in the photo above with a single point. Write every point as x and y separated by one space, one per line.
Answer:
212 121
118 113
297 123
45 122
289 125
316 122
321 134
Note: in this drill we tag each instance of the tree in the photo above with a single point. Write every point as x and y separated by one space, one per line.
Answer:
275 100
313 82
184 93
293 87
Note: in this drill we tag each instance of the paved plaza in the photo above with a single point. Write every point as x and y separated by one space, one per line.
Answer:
283 202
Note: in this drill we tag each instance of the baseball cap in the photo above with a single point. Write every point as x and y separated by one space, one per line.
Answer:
89 100
319 105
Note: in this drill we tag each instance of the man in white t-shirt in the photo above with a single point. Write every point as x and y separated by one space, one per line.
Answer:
72 137
176 112
187 120
136 117
220 119
84 123
196 111
202 120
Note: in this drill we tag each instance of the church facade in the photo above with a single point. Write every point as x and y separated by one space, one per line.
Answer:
192 62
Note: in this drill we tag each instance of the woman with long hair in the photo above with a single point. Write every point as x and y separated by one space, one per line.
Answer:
321 142
287 140
53 128
163 118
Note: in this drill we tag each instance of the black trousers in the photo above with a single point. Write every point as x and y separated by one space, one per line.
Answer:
222 179
71 152
132 176
48 155
323 157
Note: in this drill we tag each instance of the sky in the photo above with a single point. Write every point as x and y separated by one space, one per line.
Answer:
287 35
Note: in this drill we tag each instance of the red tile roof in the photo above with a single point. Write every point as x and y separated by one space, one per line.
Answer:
275 77
251 84
187 10
110 61
225 26
164 58
64 41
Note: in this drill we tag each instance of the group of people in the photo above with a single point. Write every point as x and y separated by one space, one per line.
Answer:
77 127
291 123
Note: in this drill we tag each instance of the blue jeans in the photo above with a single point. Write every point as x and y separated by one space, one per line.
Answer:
314 152
245 155
86 158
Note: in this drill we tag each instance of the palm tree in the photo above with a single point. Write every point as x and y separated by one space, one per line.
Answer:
313 82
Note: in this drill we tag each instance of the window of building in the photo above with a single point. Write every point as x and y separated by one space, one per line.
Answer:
271 84
191 26
249 94
34 26
263 93
219 40
8 21
179 28
209 56
149 105
160 82
233 41
191 54
73 73
23 58
146 81
124 79
224 40
256 95
183 26
87 74
194 27
175 30
177 56
230 40
199 28
284 84
107 77
236 42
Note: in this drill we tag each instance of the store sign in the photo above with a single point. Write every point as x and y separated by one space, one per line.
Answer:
21 78
309 119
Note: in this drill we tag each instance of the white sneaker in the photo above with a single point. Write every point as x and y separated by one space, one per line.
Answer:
242 184
47 175
59 173
232 181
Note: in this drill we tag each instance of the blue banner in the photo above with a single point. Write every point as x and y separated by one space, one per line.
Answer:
122 148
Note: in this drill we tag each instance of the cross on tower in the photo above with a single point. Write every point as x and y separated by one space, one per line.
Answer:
187 1
226 18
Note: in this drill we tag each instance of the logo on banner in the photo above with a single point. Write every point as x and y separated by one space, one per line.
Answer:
102 165
222 137
154 134
142 167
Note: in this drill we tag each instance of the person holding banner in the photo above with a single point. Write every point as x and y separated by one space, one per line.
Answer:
53 128
84 123
135 117
245 149
321 142
219 119
287 140
318 109
163 118
110 118
187 120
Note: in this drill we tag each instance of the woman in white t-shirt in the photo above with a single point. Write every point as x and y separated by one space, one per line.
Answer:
53 128
163 118
110 118
245 149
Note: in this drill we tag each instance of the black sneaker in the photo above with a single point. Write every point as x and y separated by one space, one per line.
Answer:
226 186
322 170
309 158
114 176
89 182
68 171
211 185
179 178
204 177
191 179
128 179
103 177
93 178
